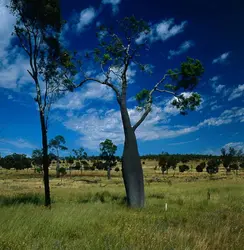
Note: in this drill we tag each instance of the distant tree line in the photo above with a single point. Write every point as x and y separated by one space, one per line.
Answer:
231 159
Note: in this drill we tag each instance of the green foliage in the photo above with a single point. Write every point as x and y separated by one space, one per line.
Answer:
188 76
185 159
57 143
37 157
171 162
132 27
62 171
108 150
38 28
117 169
142 98
162 163
43 14
184 79
200 167
184 103
77 165
213 166
70 159
112 45
183 168
17 161
80 154
38 170
230 157
242 165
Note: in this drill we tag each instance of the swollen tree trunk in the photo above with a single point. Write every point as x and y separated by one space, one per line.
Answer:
45 161
131 164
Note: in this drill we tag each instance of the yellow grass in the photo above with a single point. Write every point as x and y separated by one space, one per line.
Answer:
93 215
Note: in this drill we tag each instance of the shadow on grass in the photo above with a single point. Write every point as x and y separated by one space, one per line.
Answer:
103 197
157 196
35 199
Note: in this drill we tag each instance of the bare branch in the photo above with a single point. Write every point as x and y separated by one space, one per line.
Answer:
101 82
124 77
165 91
30 73
149 100
22 43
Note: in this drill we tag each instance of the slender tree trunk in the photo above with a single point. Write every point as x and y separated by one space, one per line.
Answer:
81 167
45 161
131 164
109 172
57 167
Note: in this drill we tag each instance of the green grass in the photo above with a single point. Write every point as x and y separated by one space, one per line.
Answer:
94 215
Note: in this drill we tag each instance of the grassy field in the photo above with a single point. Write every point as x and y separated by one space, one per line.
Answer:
88 212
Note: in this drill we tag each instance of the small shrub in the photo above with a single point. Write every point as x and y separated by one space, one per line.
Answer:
234 166
200 167
213 166
183 168
38 170
242 165
117 169
77 165
87 167
62 171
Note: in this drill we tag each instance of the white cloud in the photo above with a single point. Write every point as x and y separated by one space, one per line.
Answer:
96 125
182 143
5 151
236 145
237 92
222 58
132 99
185 46
218 88
86 18
162 31
19 143
172 110
217 121
77 100
114 4
214 79
13 65
214 107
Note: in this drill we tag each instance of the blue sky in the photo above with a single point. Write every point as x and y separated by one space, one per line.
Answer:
209 32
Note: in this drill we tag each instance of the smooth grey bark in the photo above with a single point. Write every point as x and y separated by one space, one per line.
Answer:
131 164
45 161
58 166
109 172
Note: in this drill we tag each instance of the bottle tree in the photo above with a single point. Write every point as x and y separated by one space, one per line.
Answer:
118 49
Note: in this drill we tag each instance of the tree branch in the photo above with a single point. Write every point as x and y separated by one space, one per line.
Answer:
149 100
124 77
101 82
